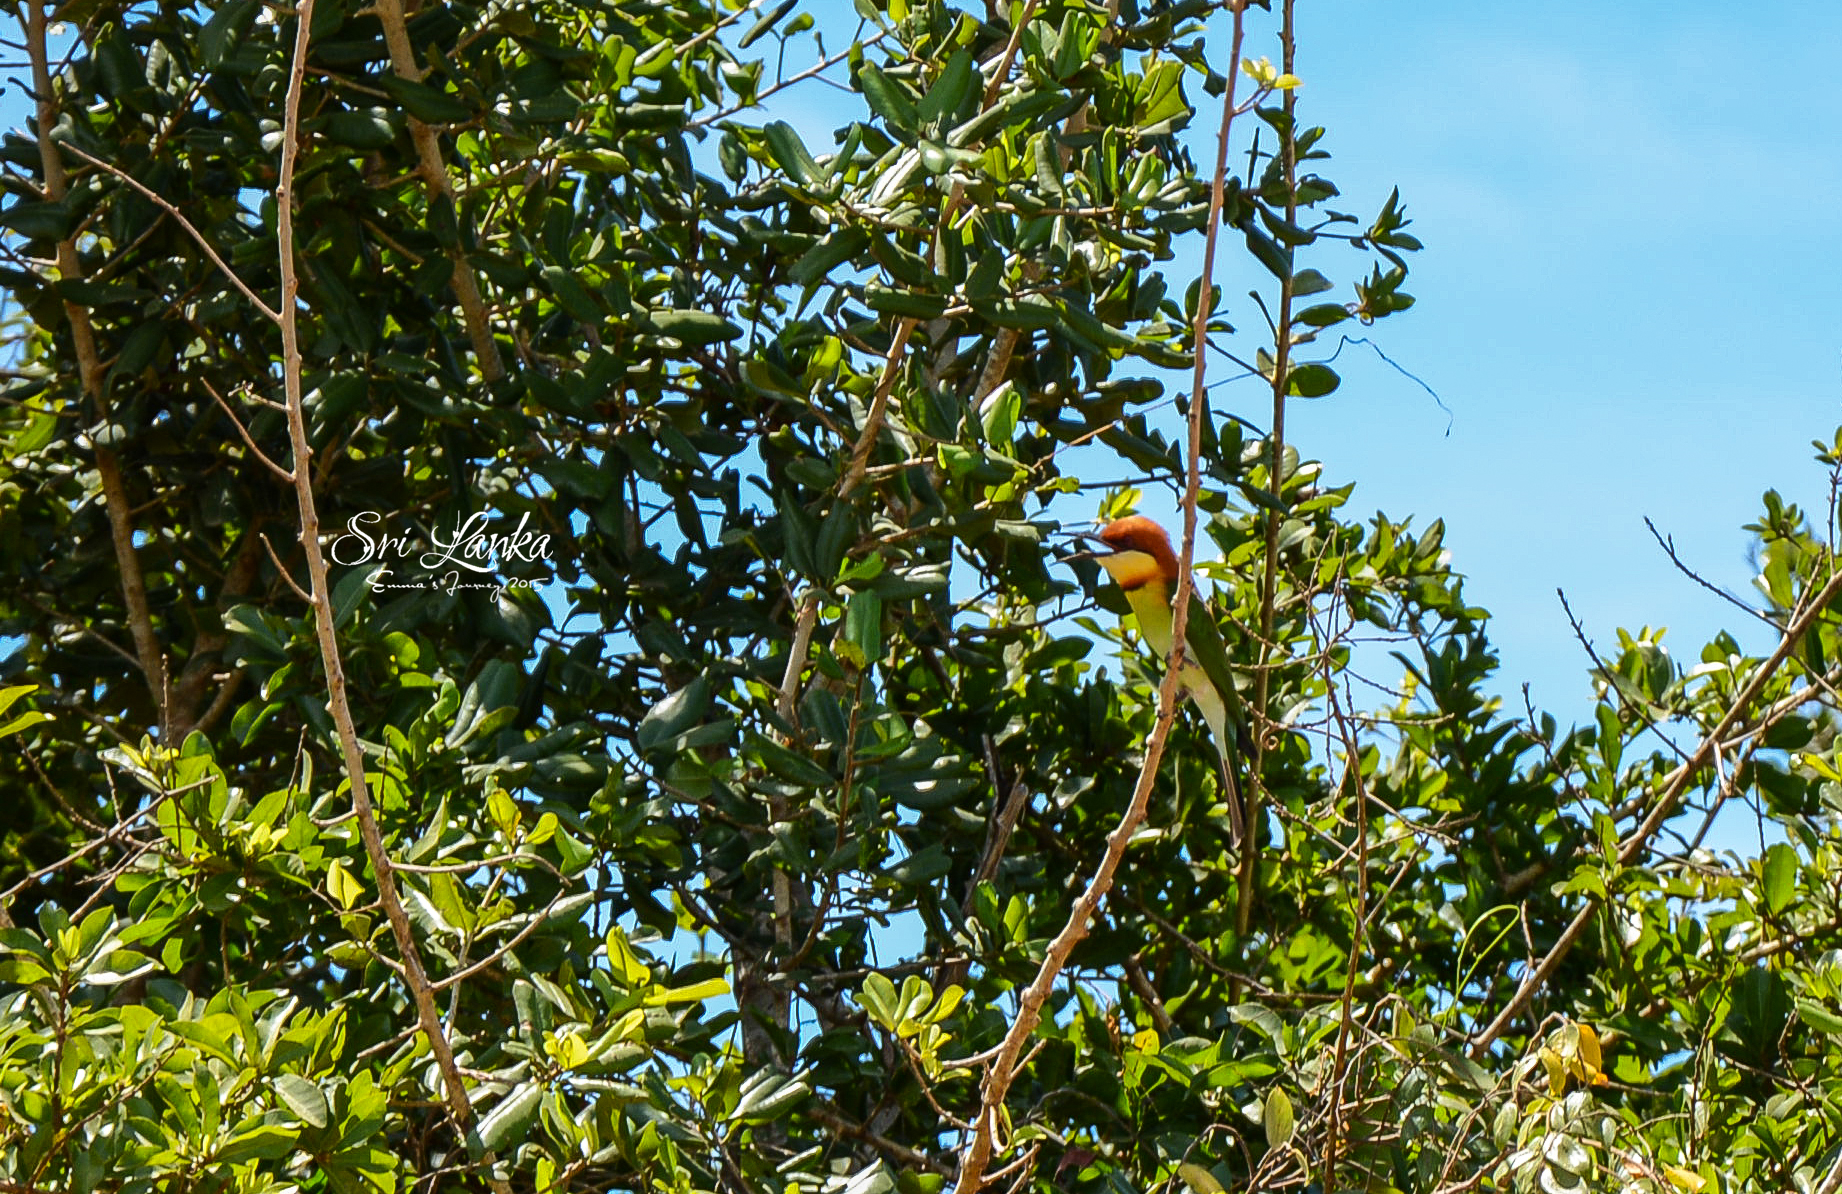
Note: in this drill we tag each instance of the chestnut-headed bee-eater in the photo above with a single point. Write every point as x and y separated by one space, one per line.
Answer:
1137 555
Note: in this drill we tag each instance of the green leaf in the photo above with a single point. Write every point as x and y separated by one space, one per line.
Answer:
265 1142
879 1000
836 248
575 854
304 1098
24 721
1779 877
950 91
502 810
428 104
342 886
572 296
863 626
1819 1017
766 22
1277 1118
543 831
225 28
766 1096
790 765
789 153
694 328
1016 108
625 964
906 303
710 988
887 99
1002 410
1322 315
674 715
1267 252
361 129
1311 380
1310 281
37 221
1199 1179
508 1122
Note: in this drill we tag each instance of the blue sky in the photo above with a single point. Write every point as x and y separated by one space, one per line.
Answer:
1628 297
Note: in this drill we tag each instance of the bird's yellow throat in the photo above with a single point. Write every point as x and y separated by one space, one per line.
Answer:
1132 570
1142 581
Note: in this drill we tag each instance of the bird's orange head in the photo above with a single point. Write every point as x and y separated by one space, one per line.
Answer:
1138 552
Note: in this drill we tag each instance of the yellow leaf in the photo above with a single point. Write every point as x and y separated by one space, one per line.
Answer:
1589 1048
1684 1179
502 809
710 988
1287 82
1146 1041
626 964
342 886
569 1051
1557 1070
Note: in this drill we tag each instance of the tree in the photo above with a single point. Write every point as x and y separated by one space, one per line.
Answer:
323 883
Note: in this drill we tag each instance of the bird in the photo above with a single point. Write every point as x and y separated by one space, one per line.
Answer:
1136 553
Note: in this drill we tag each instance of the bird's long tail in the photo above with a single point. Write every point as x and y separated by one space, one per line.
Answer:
1215 712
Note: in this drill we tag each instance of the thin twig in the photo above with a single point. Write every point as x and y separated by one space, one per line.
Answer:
899 1152
879 404
286 476
1668 544
282 569
1276 442
1611 684
819 67
159 201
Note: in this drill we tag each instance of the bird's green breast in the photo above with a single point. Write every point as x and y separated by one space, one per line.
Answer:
1150 604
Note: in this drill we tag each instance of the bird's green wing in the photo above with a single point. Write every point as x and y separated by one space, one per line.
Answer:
1203 643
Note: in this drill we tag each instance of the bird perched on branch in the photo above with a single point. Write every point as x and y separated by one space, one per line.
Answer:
1137 555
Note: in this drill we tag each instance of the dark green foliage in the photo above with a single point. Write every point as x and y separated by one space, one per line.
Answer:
702 920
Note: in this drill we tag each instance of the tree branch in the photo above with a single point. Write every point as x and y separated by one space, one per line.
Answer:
984 1145
89 372
879 404
440 188
191 229
414 974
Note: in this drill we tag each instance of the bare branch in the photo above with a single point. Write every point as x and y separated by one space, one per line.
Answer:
149 656
191 229
983 1146
1668 544
440 188
415 976
879 404
282 568
286 476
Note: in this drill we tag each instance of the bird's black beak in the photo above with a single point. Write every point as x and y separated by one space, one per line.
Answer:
1077 552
